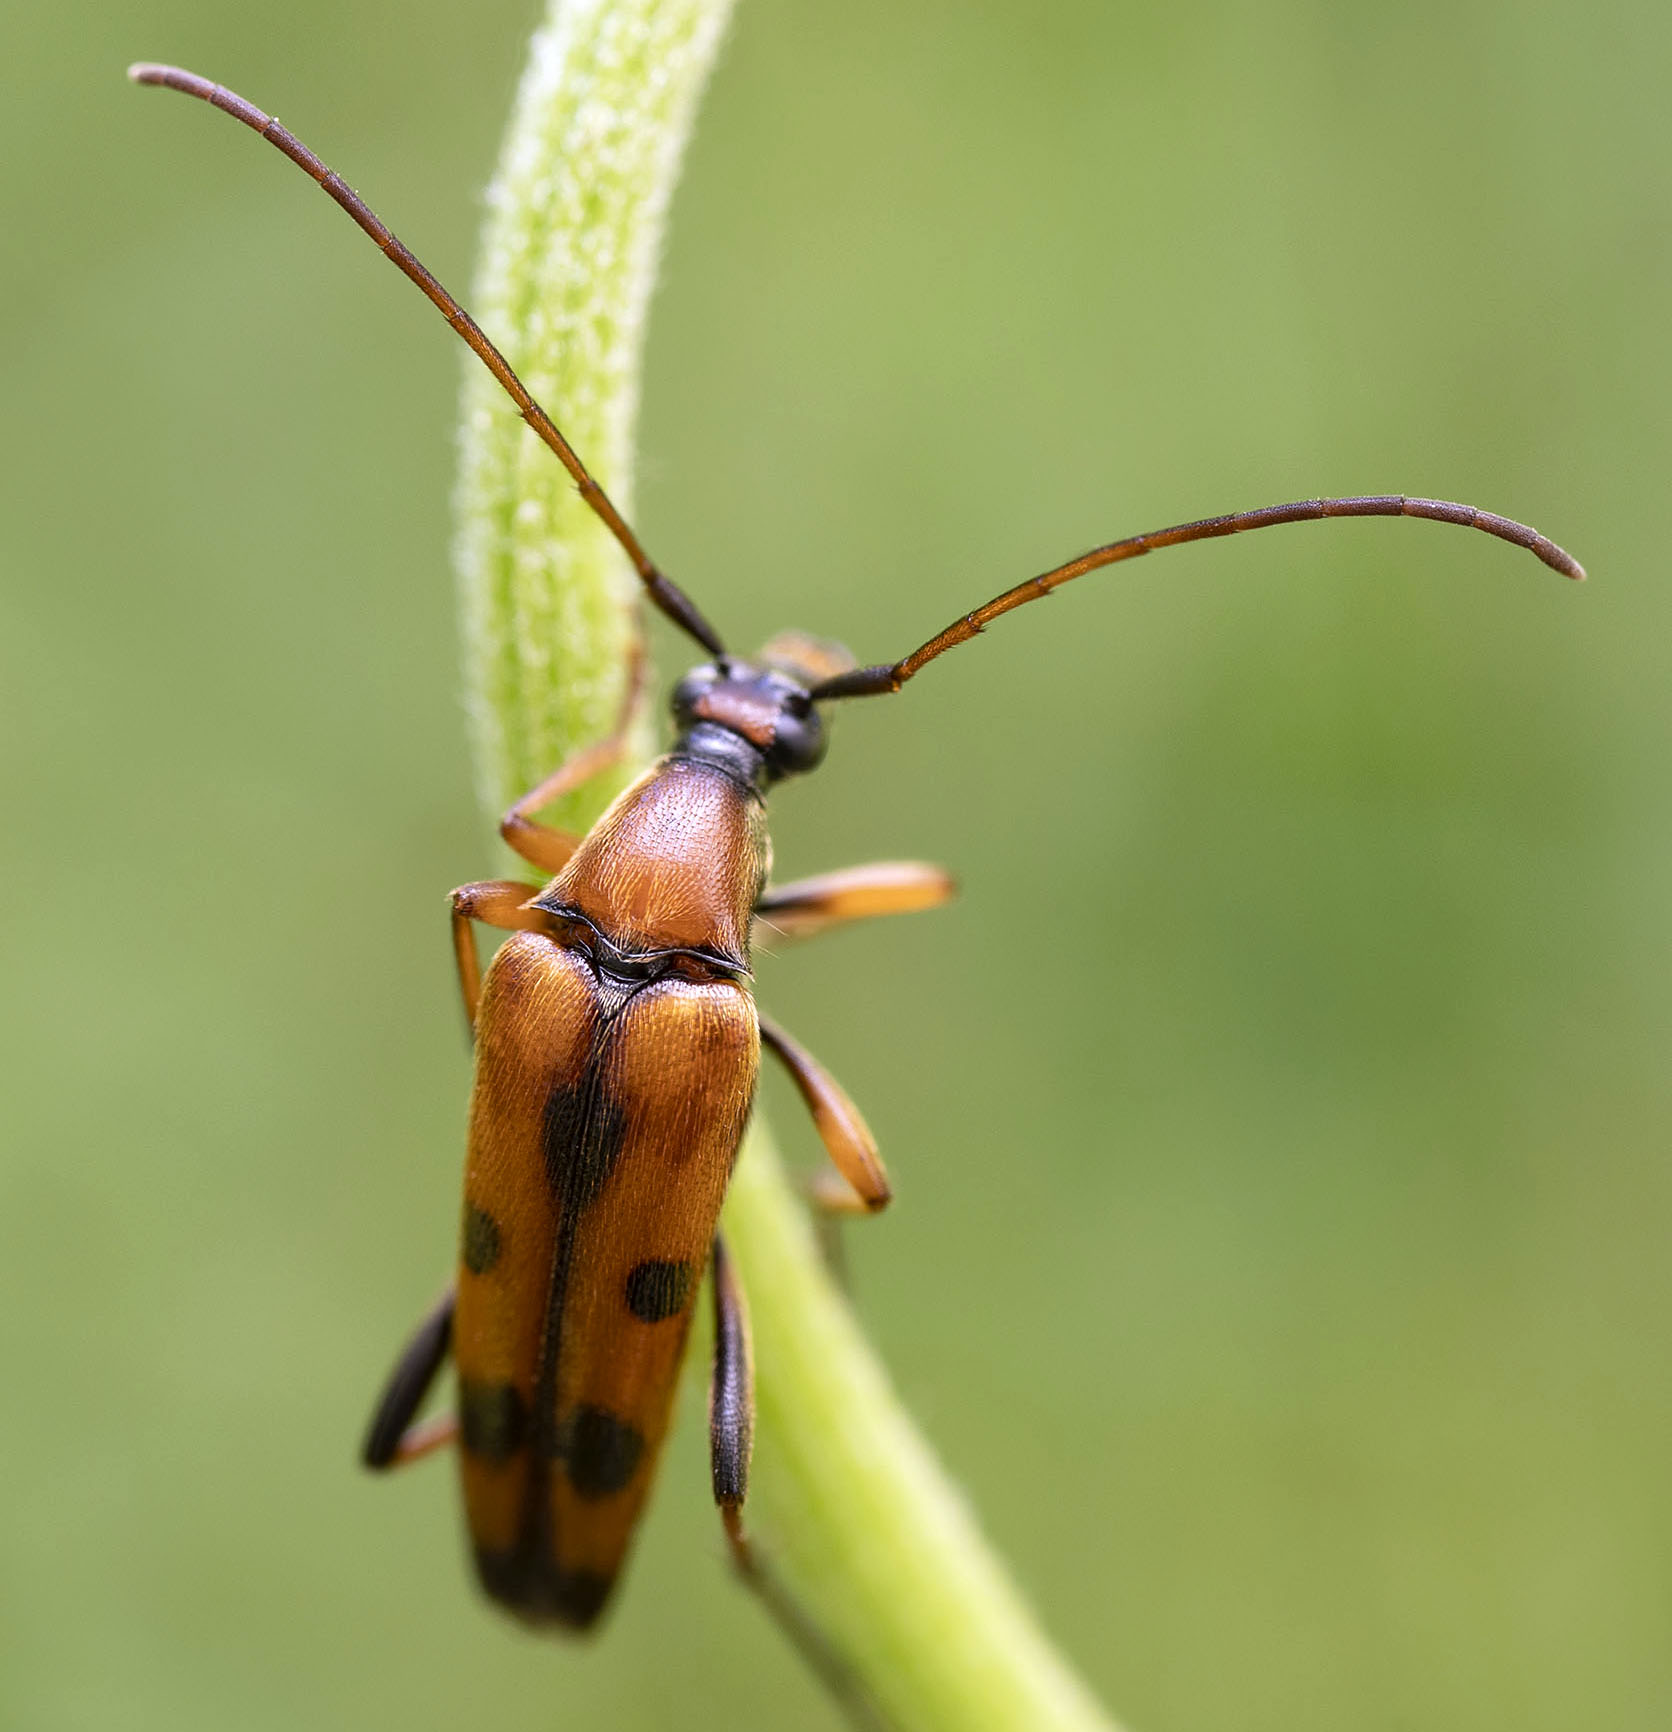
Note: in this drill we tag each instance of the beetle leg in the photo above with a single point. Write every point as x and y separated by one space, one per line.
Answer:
811 905
731 1394
832 1200
425 1438
500 902
731 1427
846 1136
834 1197
540 844
392 1439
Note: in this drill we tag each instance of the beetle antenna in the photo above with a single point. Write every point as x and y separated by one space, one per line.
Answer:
661 589
889 677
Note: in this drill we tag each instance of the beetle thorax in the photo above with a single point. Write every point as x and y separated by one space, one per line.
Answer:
676 863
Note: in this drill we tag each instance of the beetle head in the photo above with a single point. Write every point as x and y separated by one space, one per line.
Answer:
766 704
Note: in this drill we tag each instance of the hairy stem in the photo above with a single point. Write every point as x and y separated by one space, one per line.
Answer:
857 1516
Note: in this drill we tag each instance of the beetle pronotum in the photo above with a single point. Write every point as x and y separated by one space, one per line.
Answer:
617 1047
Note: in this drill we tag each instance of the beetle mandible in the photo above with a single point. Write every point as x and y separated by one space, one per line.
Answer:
617 1047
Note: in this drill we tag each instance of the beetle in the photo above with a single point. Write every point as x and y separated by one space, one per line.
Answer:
617 1045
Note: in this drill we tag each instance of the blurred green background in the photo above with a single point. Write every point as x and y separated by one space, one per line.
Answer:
1280 1121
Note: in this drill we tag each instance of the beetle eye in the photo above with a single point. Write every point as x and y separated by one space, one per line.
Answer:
699 680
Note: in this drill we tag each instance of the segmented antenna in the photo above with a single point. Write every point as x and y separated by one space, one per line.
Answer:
661 589
889 677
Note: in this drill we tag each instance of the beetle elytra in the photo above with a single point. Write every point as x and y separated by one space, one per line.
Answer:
617 1048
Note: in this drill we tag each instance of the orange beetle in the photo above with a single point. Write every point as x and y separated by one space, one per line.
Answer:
617 1046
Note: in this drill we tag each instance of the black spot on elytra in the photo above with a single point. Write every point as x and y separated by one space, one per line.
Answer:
600 1451
480 1240
578 1595
582 1131
533 1586
492 1419
657 1291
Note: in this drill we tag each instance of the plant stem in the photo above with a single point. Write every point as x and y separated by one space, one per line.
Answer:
858 1516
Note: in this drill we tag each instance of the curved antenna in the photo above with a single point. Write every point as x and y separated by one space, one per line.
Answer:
662 590
889 677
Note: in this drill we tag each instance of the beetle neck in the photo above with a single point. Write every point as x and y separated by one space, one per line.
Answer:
709 743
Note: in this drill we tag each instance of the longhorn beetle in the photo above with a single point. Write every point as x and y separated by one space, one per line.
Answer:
617 1047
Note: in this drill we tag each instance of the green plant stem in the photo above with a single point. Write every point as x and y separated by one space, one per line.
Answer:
858 1517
